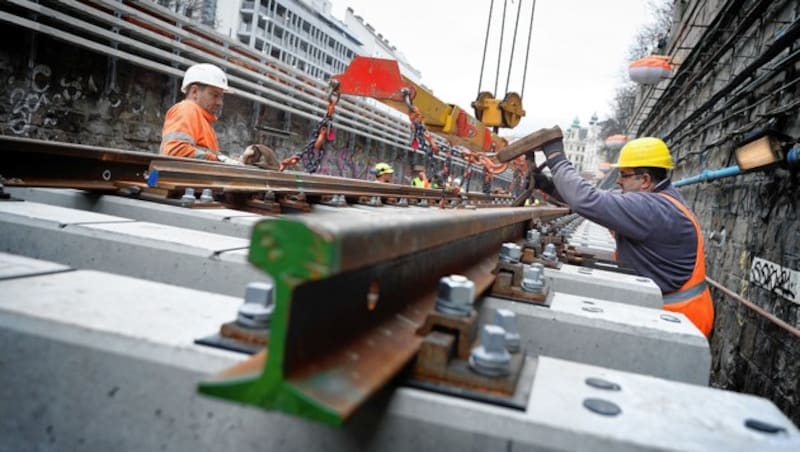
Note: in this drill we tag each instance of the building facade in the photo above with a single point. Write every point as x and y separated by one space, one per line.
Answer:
300 34
582 146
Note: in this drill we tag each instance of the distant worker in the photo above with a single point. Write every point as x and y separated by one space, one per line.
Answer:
421 178
187 128
455 185
383 173
656 233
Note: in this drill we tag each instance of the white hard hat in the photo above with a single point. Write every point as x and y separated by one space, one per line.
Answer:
207 74
457 181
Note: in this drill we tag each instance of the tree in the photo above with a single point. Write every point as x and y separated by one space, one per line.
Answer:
644 42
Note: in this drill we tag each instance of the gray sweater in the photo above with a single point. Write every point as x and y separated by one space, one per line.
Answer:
653 236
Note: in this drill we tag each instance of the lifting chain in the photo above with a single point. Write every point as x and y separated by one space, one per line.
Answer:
420 137
314 152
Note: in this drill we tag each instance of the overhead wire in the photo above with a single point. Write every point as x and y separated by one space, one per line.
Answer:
500 46
513 45
527 51
485 45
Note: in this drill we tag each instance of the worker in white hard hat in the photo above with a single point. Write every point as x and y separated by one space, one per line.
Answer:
187 128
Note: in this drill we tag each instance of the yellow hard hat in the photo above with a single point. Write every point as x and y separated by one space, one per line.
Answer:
382 168
645 152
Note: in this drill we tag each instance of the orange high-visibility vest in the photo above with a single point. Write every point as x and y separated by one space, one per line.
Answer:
693 299
188 133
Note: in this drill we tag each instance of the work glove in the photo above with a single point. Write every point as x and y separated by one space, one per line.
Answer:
544 183
261 156
227 160
554 151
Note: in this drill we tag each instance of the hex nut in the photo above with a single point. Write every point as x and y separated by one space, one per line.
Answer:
510 252
455 295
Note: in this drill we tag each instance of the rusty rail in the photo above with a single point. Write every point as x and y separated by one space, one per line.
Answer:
351 292
29 162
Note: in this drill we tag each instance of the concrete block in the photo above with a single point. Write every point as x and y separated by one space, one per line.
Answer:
13 266
88 240
613 335
655 414
599 252
234 223
606 285
106 362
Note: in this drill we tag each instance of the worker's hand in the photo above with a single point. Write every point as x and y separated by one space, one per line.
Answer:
227 160
261 156
544 183
554 151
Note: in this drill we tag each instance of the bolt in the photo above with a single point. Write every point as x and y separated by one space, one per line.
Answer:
533 237
508 321
491 357
549 253
455 295
188 195
256 311
510 252
206 196
533 278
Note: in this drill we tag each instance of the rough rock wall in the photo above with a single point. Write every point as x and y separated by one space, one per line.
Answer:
750 221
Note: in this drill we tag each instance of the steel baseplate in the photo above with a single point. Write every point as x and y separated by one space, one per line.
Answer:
238 338
460 381
351 292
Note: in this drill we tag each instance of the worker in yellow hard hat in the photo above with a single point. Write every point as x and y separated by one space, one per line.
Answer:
421 178
383 173
656 233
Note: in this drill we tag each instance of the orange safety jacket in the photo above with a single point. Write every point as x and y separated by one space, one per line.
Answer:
188 133
693 299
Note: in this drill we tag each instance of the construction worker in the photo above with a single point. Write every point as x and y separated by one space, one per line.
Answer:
383 173
656 234
421 179
187 128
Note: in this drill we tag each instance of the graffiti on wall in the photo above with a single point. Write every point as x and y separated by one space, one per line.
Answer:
346 162
26 104
775 278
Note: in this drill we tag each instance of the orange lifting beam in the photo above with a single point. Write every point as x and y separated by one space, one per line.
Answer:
381 79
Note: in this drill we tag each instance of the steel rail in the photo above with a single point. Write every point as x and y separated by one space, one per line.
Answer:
351 292
200 174
30 162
